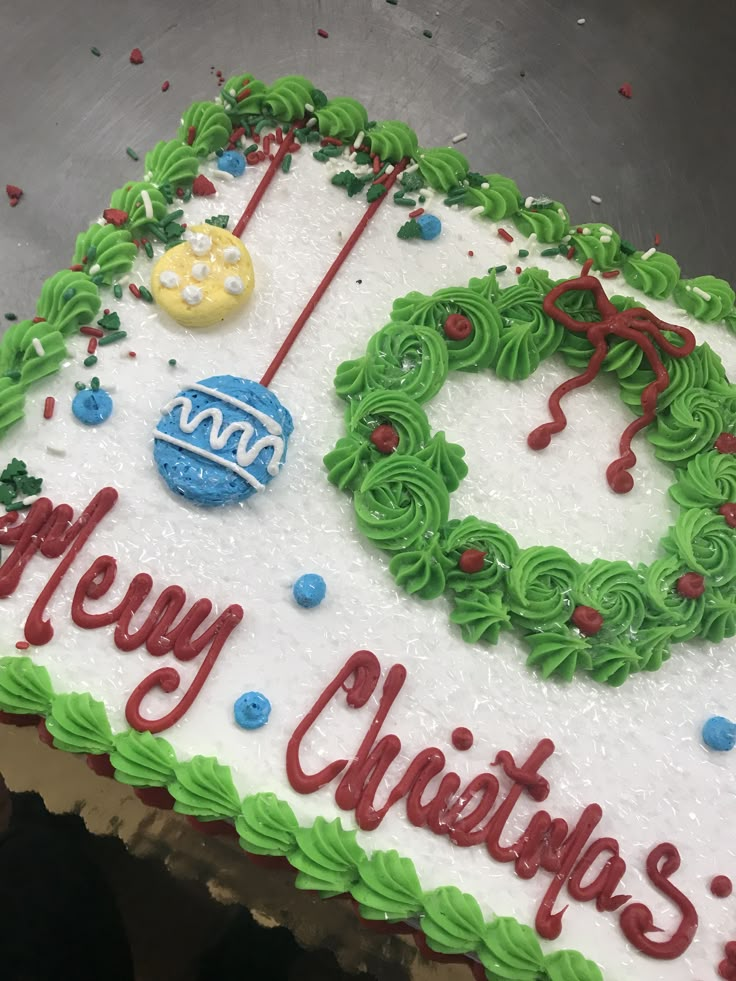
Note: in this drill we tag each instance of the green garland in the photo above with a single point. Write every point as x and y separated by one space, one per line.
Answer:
402 500
326 857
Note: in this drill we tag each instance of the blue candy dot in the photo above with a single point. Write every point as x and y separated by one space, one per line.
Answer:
92 407
430 226
309 590
252 710
719 734
231 162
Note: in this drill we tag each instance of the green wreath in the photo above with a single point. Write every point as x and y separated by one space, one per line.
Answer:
401 476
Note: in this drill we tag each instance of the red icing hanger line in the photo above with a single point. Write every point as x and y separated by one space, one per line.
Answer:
265 181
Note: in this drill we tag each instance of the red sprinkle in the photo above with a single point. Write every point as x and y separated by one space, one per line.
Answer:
134 290
14 193
518 270
115 216
611 274
267 143
571 252
502 233
165 86
191 133
625 90
48 406
457 328
471 253
256 137
77 267
22 645
38 320
132 354
243 95
92 331
416 212
322 33
136 56
179 194
92 346
253 157
279 135
330 141
376 165
295 147
657 240
261 156
202 186
462 738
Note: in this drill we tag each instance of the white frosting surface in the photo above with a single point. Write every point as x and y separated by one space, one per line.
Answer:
636 751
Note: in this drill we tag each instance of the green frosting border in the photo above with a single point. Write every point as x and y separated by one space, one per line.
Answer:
326 857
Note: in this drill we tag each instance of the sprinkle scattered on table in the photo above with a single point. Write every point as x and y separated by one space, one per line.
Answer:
427 33
165 86
96 52
14 193
596 199
136 56
581 21
459 137
625 90
322 33
131 153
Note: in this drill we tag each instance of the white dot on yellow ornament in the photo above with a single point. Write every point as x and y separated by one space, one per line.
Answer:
193 282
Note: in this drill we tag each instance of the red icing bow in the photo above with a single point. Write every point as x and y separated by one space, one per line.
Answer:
637 325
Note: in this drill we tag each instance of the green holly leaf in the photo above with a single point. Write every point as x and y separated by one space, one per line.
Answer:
375 191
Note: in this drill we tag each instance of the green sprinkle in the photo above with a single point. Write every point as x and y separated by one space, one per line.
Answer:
68 294
145 294
220 221
116 335
394 3
563 248
409 229
98 280
174 232
250 149
422 199
627 248
80 386
91 253
18 506
286 163
95 383
187 195
427 33
547 252
172 362
96 52
10 316
131 153
111 321
321 156
149 249
523 253
375 191
174 216
313 136
363 158
159 231
91 360
13 375
500 269
117 291
405 202
319 99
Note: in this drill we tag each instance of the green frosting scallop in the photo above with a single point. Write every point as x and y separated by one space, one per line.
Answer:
130 200
597 242
518 355
388 888
394 408
105 251
405 357
287 98
266 825
473 533
719 616
18 354
479 348
656 276
705 544
499 200
143 760
652 645
666 606
480 616
12 403
392 140
204 789
237 104
422 571
614 661
78 724
348 462
730 321
171 162
68 300
540 586
442 168
342 118
705 298
615 590
446 459
692 424
25 687
569 965
211 124
452 921
327 857
709 480
510 951
400 502
559 652
548 221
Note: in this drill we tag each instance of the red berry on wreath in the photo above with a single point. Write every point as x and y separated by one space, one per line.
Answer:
471 560
457 327
726 443
691 585
587 620
729 513
385 438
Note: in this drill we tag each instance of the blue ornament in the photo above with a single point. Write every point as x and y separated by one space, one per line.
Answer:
231 162
430 226
252 710
92 406
719 734
309 590
221 440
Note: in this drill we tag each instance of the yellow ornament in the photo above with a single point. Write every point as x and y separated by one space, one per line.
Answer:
205 279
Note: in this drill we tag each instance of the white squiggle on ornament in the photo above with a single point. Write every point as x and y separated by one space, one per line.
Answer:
245 455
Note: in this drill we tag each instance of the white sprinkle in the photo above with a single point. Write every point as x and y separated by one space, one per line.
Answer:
528 202
242 141
124 280
146 199
605 230
200 270
581 21
484 186
605 239
308 107
232 92
233 285
389 169
412 168
358 141
566 238
200 243
222 175
532 238
689 289
168 279
231 254
93 270
701 293
595 199
459 137
648 254
192 295
311 122
56 450
31 499
587 231
38 346
561 212
477 211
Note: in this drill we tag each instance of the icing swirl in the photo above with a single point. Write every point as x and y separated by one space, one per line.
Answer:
559 652
709 480
327 857
446 459
266 825
706 545
614 589
597 242
78 724
171 162
442 167
548 221
67 300
286 98
614 661
540 584
511 950
499 200
25 687
204 789
694 421
143 760
211 127
396 409
19 354
705 298
570 965
480 616
522 305
108 247
237 104
452 921
667 606
392 140
342 118
656 276
700 369
500 548
388 888
130 200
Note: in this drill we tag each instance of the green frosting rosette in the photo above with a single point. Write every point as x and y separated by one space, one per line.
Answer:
597 242
708 481
452 921
204 789
528 334
559 652
243 95
500 552
540 586
78 724
654 273
171 162
442 168
548 220
497 195
705 298
666 606
106 252
131 200
389 408
510 950
392 140
692 424
25 687
615 590
327 857
388 889
68 300
342 118
143 760
705 544
266 825
702 369
211 126
287 98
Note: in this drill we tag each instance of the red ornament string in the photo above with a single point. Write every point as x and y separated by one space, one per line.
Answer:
637 325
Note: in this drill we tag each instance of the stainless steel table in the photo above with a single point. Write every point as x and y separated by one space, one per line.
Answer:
536 91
